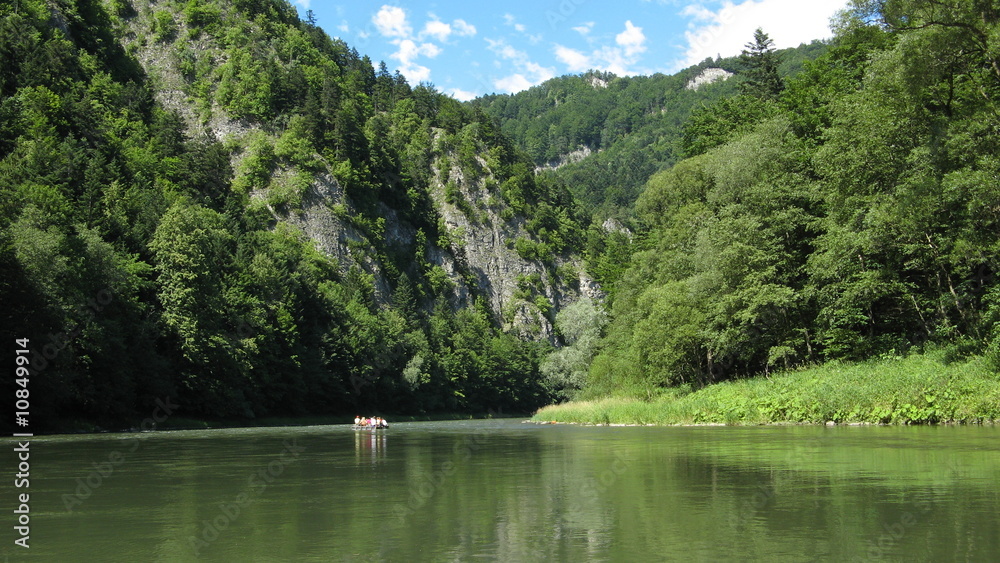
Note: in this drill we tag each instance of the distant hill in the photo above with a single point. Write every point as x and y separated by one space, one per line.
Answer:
630 126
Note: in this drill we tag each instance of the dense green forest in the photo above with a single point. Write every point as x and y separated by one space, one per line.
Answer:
847 213
146 255
631 125
214 201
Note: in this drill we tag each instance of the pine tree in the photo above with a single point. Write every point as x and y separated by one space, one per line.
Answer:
760 68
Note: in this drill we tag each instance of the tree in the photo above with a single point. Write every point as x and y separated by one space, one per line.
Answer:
759 76
580 324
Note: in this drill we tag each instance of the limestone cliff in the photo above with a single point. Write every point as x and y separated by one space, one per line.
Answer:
475 249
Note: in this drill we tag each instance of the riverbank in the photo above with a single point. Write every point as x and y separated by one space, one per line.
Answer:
919 389
191 423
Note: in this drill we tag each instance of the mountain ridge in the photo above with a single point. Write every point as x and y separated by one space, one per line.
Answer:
284 227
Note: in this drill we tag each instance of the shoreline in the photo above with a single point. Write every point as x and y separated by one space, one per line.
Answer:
921 389
828 424
179 423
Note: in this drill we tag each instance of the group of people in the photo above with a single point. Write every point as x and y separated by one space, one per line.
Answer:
374 422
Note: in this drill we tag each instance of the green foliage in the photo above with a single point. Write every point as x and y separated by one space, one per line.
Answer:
528 249
164 26
201 15
759 76
915 390
187 247
164 253
714 125
632 126
294 145
841 218
580 326
245 87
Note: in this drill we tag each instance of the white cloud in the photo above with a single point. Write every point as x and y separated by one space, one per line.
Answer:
462 95
344 27
462 28
391 22
513 83
574 60
632 39
612 59
437 29
415 73
725 30
407 55
442 31
539 73
505 50
510 21
631 43
584 28
303 3
528 73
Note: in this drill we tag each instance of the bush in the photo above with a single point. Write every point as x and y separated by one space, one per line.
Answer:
203 16
164 26
920 389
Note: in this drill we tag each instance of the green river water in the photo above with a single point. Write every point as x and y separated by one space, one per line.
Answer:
501 490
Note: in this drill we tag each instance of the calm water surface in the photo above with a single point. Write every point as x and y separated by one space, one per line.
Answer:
503 490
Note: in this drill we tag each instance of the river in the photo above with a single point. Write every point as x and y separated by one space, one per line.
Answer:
501 490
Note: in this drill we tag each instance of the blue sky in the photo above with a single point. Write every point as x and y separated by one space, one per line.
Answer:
472 48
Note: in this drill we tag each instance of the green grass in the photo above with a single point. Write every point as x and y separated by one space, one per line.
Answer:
920 389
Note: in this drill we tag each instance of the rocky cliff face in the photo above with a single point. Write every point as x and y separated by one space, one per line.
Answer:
482 243
478 254
708 76
479 258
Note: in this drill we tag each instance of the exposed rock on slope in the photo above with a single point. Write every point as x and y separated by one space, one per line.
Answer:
708 76
477 256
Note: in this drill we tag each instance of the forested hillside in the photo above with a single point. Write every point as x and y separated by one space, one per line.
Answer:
608 134
850 212
214 201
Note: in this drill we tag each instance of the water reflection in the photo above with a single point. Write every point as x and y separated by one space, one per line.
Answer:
511 492
369 445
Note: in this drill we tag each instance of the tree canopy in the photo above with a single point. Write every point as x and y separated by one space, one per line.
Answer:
851 214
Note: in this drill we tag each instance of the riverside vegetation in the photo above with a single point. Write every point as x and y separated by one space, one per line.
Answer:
269 225
214 201
848 213
920 389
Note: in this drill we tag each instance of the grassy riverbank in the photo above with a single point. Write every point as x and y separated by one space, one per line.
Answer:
920 389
